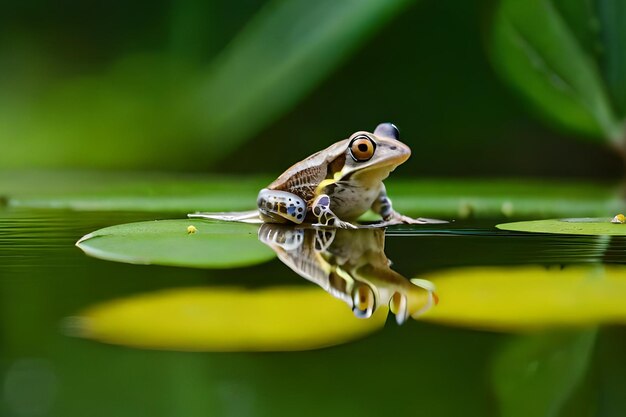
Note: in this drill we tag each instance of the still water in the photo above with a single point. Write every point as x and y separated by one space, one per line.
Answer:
520 324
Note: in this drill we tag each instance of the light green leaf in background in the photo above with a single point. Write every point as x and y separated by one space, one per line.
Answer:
129 116
169 242
534 375
287 49
584 226
182 194
548 51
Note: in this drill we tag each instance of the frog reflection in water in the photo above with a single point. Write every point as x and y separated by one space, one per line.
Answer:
350 265
335 186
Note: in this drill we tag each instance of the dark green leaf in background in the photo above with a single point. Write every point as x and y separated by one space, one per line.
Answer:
612 14
548 52
287 49
536 374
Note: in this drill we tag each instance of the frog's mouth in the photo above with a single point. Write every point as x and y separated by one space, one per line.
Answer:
374 173
386 165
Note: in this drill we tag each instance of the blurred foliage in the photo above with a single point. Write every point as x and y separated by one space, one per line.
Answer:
223 87
568 58
535 375
153 107
182 194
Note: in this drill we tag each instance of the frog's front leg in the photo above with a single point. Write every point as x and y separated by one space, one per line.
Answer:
325 217
382 206
281 206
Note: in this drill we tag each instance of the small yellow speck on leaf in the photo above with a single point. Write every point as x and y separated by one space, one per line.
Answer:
191 229
620 218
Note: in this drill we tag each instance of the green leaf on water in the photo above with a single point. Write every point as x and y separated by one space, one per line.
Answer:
169 242
535 375
549 51
582 226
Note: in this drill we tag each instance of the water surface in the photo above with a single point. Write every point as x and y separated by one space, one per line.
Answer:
421 367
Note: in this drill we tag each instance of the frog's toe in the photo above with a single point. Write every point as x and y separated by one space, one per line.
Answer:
398 218
346 225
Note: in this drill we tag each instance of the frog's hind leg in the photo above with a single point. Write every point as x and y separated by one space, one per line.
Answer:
325 217
281 206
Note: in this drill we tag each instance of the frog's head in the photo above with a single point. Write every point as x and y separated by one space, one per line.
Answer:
374 155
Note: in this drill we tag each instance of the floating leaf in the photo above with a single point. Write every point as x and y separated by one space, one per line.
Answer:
583 226
168 242
529 297
226 319
544 367
540 47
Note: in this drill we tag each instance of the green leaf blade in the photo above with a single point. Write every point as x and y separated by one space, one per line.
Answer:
613 17
540 55
535 375
287 49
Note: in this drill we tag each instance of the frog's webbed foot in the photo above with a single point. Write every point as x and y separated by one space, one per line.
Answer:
397 218
325 217
323 239
382 205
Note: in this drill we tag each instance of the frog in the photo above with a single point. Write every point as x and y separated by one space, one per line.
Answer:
335 186
350 265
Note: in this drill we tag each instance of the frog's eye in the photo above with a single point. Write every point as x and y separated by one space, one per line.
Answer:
363 301
362 148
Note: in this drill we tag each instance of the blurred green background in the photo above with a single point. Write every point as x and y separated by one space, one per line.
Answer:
252 86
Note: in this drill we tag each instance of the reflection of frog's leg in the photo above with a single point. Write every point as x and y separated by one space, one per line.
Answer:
323 239
363 300
325 216
279 206
287 238
382 205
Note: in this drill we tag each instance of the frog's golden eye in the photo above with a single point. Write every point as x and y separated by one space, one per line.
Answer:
362 148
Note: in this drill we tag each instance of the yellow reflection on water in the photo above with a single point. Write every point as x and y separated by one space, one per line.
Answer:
225 319
530 297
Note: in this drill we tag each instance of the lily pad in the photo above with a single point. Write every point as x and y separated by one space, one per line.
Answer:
226 319
529 297
175 243
582 226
